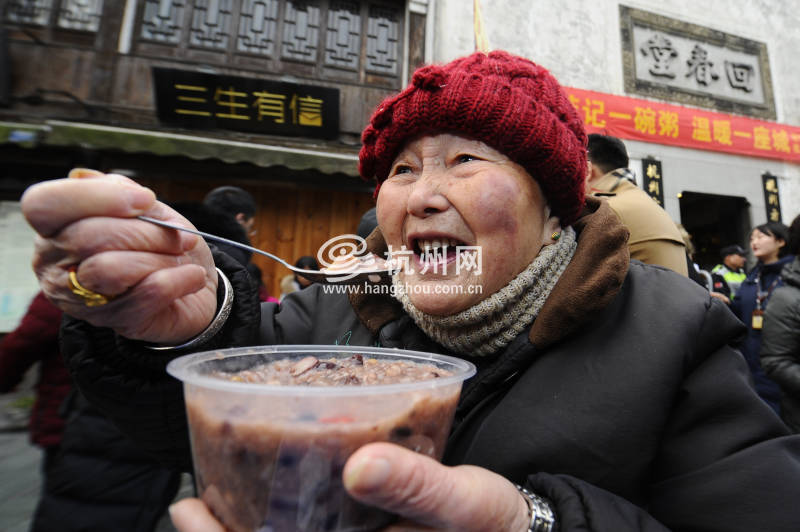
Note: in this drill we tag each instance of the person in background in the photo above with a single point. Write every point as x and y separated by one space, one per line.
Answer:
692 268
212 220
654 237
696 274
729 275
780 337
236 202
94 477
608 394
263 293
306 262
288 286
294 282
35 340
768 244
241 205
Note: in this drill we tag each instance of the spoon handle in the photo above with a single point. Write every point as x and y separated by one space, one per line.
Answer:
314 276
216 238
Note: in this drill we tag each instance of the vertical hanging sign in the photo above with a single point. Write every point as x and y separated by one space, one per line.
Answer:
772 199
653 182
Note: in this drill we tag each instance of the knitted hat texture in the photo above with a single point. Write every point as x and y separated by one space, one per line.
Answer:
505 101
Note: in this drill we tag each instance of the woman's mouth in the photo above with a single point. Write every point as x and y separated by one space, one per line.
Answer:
436 254
435 246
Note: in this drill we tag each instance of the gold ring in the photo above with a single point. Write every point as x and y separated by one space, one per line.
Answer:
90 299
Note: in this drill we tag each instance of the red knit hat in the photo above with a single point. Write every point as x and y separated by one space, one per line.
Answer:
508 102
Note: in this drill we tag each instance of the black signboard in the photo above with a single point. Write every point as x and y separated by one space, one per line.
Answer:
653 181
772 199
208 101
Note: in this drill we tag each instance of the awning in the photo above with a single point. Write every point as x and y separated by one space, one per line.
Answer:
62 133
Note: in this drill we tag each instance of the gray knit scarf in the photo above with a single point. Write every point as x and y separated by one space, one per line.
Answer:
490 325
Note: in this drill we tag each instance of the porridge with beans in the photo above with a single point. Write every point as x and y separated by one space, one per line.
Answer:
276 464
356 370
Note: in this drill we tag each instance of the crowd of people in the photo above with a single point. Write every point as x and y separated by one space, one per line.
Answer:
610 394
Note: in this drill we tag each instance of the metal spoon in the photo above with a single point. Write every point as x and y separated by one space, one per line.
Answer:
327 277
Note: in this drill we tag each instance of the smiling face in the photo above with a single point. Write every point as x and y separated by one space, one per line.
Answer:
766 248
445 191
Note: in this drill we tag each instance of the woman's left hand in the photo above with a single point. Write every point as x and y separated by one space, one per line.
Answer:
429 495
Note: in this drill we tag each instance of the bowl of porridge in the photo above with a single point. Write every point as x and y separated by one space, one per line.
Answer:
272 427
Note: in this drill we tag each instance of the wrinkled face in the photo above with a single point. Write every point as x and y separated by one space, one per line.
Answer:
446 200
765 247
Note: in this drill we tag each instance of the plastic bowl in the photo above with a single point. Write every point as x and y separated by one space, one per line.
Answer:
270 457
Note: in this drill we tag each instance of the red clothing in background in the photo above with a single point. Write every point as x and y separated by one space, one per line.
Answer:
36 340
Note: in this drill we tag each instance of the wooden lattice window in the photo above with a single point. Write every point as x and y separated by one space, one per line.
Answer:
78 15
344 40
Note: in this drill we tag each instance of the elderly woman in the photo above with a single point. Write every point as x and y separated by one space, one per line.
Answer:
608 390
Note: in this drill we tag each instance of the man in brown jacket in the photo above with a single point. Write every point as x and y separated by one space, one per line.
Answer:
654 236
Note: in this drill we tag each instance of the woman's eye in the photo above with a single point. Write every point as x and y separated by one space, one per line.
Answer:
400 169
465 158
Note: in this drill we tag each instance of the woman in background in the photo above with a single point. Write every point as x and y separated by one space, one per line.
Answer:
768 243
293 282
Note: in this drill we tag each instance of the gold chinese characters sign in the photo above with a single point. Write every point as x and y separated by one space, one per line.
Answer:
653 182
208 101
772 199
648 121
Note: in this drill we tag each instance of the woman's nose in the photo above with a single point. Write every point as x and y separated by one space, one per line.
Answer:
427 196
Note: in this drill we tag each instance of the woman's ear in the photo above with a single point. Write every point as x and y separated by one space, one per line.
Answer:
551 230
590 176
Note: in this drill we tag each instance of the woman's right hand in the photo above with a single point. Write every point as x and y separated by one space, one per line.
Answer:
428 496
162 282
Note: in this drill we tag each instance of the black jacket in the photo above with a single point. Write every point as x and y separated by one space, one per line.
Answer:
622 432
780 343
99 480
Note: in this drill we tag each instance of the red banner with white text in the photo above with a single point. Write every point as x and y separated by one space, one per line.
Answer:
647 121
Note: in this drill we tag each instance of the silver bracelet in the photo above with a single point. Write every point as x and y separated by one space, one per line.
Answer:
213 327
539 510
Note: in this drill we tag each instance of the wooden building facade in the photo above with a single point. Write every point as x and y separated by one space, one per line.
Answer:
278 93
